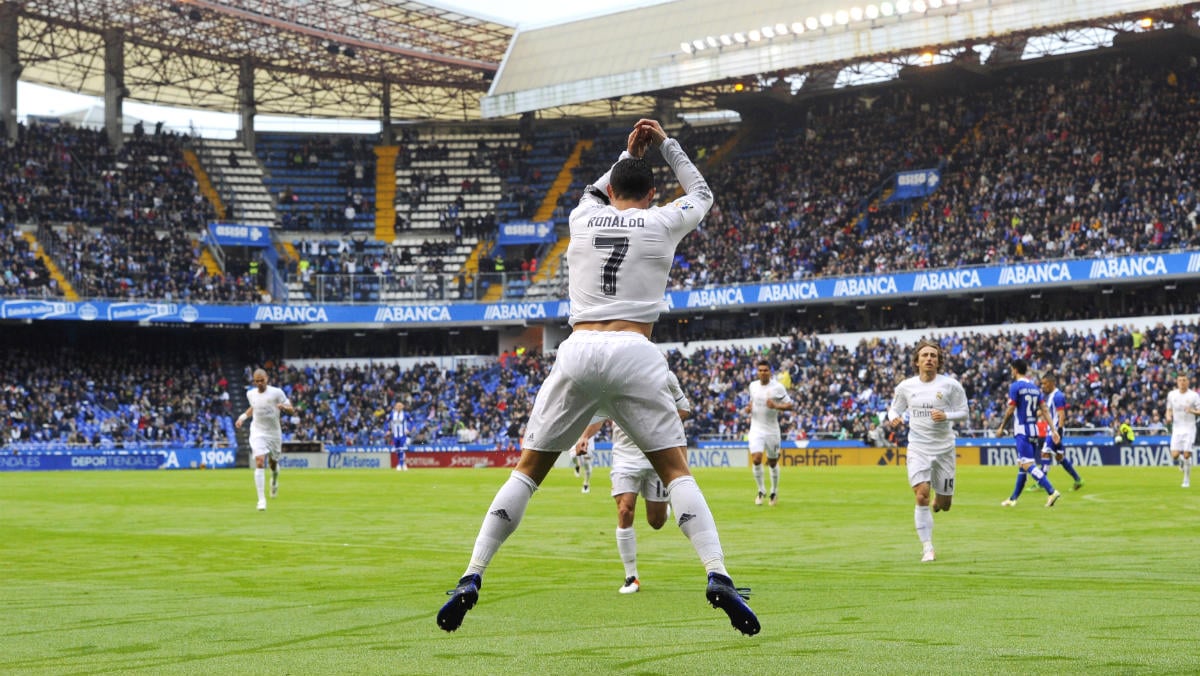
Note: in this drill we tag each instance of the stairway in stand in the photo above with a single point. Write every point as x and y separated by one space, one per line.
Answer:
562 182
68 291
385 192
206 186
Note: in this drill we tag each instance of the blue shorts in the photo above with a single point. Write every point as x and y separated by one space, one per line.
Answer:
400 442
1026 450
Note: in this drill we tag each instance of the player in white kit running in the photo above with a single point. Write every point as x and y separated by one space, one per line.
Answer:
618 259
1183 405
633 475
767 398
933 402
581 458
266 434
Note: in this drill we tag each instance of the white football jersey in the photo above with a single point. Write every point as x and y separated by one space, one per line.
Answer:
626 456
618 261
919 399
265 423
765 420
1179 403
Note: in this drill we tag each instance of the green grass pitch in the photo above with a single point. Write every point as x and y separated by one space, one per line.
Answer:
175 572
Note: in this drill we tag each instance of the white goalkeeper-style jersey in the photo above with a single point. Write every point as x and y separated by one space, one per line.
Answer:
619 260
765 421
919 399
265 423
626 456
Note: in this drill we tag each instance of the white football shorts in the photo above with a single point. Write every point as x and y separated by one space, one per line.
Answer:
619 372
644 482
1183 439
936 469
265 446
765 443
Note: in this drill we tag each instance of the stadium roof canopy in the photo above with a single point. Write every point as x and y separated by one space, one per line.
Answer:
316 58
418 61
687 50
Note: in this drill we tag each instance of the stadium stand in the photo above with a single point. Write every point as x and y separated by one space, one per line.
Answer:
1020 182
1036 168
320 182
24 274
1081 157
360 269
239 179
59 394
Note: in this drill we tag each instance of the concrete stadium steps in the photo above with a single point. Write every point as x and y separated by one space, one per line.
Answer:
494 293
68 291
471 265
550 264
385 192
242 188
206 186
562 182
211 266
290 248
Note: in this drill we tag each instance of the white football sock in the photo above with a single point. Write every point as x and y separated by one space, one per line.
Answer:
758 478
697 523
775 479
259 478
627 547
502 519
924 520
1187 469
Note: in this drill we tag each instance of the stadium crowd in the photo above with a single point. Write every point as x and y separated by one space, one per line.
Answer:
1084 157
1119 374
1087 157
1092 159
103 397
22 273
118 223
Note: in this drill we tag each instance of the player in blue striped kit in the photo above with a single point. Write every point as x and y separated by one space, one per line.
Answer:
1025 399
398 422
1056 403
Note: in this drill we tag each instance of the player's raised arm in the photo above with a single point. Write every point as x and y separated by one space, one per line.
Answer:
636 143
698 199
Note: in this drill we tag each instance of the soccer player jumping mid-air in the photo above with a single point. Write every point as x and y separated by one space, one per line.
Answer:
619 256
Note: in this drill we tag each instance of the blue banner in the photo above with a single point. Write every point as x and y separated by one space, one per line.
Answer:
91 459
941 282
919 183
1139 455
526 232
933 282
33 462
236 234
